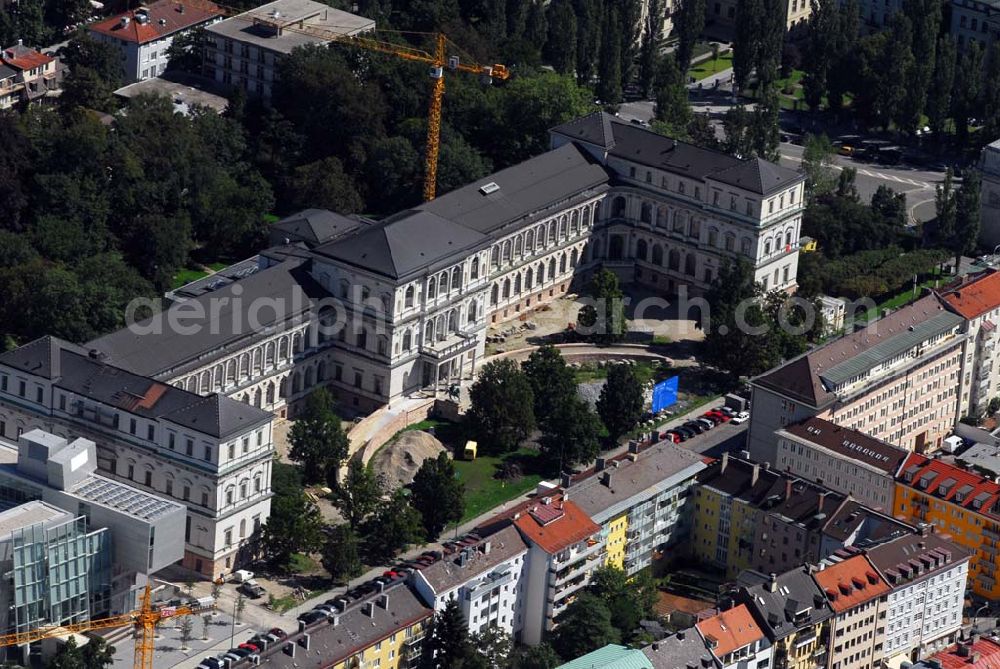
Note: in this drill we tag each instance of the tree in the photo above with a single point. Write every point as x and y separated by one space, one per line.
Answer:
588 38
942 84
620 403
358 495
552 381
317 438
584 626
628 600
770 40
945 206
96 654
324 184
991 93
603 317
393 526
967 90
560 47
186 626
535 657
899 65
187 50
502 413
571 434
890 206
765 131
495 645
438 495
820 51
294 526
241 605
447 644
689 21
967 216
609 71
650 48
926 18
341 556
749 25
672 105
737 125
817 162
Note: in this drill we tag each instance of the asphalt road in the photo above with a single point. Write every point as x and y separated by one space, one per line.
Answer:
918 184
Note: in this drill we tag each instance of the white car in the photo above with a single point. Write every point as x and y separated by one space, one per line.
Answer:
741 417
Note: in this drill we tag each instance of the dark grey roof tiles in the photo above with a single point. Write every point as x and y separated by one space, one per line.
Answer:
757 176
6 72
219 416
40 357
682 650
165 348
796 603
316 226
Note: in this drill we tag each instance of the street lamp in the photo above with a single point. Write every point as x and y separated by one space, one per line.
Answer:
975 618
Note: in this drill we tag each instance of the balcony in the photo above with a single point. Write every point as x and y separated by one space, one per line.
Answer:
991 534
577 552
454 344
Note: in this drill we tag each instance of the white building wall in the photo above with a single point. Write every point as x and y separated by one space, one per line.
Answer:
870 486
924 615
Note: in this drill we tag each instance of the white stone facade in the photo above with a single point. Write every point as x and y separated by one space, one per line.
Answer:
923 616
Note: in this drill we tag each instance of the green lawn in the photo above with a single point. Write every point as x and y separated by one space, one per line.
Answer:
484 492
302 564
186 276
645 370
217 266
903 298
709 67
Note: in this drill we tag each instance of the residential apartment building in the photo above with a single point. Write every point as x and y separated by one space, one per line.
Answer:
244 50
143 36
386 631
27 75
793 613
857 595
564 548
485 578
642 501
146 531
973 652
857 525
963 506
680 212
751 517
989 194
684 649
209 453
845 460
54 569
927 576
976 298
736 640
896 379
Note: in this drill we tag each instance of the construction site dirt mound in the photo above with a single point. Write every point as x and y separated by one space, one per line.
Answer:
400 459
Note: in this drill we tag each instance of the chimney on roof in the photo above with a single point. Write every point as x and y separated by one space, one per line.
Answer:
772 584
566 480
974 657
633 446
486 547
725 463
820 501
600 464
788 489
383 601
755 474
369 609
606 479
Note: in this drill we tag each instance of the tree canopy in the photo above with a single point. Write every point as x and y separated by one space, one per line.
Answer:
502 413
438 495
317 439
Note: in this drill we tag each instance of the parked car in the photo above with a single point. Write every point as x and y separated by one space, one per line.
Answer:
685 432
252 647
310 617
251 589
278 632
694 425
239 653
670 436
707 422
211 663
741 417
711 417
724 417
728 411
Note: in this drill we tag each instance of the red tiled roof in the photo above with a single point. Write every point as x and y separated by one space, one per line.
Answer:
851 582
977 493
989 656
165 18
730 630
975 296
24 58
556 526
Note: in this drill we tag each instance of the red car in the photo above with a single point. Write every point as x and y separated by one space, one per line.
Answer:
250 647
671 436
278 632
721 416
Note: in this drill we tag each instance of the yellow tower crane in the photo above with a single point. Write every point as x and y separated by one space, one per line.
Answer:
144 620
437 61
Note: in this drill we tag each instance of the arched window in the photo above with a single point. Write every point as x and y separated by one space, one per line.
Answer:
473 312
269 354
429 332
618 207
562 227
661 217
453 320
713 237
642 250
474 268
540 237
674 260
616 247
745 245
574 222
585 218
407 340
383 345
562 264
283 348
431 288
495 294
540 273
689 263
551 236
529 241
408 297
456 278
517 246
646 213
517 284
362 341
767 247
657 254
505 255
788 238
552 269
730 242
443 283
495 257
529 279
506 288
573 257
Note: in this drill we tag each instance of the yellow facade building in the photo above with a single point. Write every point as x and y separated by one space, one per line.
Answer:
963 505
616 537
385 632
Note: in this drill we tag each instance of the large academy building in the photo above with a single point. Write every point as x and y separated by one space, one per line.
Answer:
180 403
